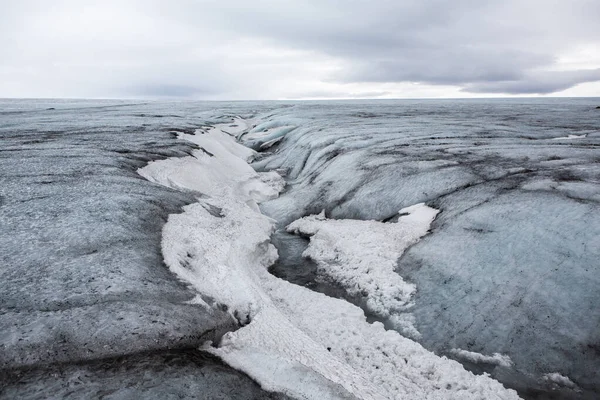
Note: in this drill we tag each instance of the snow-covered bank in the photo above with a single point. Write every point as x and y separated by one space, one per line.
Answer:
477 358
361 257
291 339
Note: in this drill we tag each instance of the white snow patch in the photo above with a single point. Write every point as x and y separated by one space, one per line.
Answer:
361 256
292 340
478 358
218 169
570 137
558 379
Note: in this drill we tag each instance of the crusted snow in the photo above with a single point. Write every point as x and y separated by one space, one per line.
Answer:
218 169
361 257
570 137
558 379
292 340
478 358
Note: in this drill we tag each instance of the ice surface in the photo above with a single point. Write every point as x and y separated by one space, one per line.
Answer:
169 374
526 264
293 340
511 264
87 305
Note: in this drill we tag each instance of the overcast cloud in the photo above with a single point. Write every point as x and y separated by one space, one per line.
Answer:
298 49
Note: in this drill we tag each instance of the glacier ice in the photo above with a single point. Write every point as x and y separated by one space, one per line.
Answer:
87 306
509 265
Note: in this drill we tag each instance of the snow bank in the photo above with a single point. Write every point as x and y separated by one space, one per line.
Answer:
219 169
291 339
477 358
361 257
559 380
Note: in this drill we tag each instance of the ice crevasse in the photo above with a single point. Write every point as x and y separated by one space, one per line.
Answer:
291 339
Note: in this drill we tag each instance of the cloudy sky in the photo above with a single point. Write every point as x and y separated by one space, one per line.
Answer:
297 49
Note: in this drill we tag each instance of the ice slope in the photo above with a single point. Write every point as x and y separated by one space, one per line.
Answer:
511 265
291 340
87 307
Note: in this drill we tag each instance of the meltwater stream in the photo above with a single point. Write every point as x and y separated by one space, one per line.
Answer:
507 279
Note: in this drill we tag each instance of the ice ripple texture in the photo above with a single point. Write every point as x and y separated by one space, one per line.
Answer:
87 307
512 263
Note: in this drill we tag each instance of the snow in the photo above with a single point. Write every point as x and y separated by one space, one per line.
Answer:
361 256
570 137
560 380
291 339
477 358
218 169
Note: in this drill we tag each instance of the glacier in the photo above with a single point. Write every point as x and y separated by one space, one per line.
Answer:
511 264
292 340
434 249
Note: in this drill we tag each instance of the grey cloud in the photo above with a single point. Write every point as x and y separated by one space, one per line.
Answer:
478 45
324 94
443 66
162 90
537 83
178 49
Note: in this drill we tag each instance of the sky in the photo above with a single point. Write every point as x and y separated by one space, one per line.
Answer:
299 49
